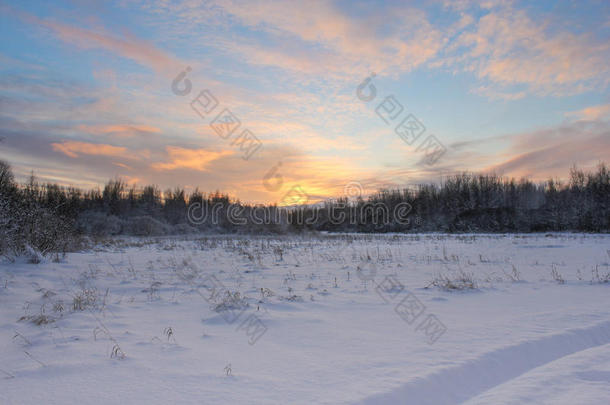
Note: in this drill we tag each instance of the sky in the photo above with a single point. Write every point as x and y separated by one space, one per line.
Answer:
329 98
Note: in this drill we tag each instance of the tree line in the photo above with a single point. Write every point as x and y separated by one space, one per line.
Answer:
50 217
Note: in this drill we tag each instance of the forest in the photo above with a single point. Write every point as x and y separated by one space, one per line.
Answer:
48 218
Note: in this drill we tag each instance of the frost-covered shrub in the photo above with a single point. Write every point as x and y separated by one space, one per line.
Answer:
599 278
144 226
27 227
47 232
32 255
292 298
556 275
85 299
8 218
457 282
182 229
99 224
38 319
231 301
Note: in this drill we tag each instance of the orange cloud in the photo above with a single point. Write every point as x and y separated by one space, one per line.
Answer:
592 113
196 159
73 149
123 165
132 181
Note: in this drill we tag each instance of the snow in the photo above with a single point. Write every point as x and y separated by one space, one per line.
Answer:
522 336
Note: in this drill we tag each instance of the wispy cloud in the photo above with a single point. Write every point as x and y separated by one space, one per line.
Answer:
318 37
289 71
119 129
126 45
73 149
593 113
550 152
195 159
507 47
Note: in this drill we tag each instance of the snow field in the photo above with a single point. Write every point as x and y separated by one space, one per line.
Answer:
317 319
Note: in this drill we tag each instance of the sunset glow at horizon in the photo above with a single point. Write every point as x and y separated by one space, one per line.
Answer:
146 91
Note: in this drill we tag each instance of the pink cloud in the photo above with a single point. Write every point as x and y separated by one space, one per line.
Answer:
551 152
343 45
509 48
73 149
128 46
119 129
593 113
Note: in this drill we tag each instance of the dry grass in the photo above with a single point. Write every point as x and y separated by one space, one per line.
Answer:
458 282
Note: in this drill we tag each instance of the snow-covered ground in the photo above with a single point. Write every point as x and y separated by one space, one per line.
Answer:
324 319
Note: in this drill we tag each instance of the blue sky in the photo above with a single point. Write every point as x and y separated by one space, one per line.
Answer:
517 88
